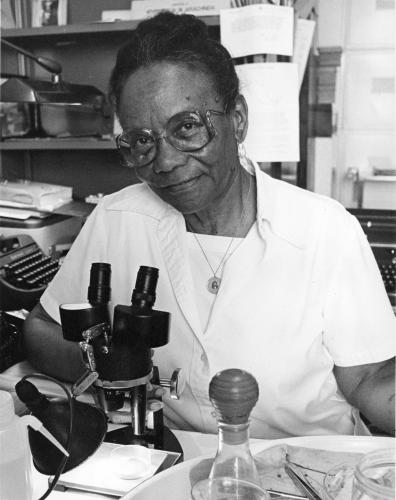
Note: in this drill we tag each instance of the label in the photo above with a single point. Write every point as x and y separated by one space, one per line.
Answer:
143 9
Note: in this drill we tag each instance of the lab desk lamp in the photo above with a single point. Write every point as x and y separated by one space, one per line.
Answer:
79 427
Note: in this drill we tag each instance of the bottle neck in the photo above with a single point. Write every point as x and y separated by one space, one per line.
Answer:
233 435
234 458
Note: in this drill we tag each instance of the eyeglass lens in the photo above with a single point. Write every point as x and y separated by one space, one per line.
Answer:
186 131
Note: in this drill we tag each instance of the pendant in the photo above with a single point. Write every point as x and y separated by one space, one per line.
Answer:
214 284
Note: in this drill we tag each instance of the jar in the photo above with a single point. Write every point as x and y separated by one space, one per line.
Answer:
373 478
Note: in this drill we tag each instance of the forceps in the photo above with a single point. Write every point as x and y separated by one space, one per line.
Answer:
301 482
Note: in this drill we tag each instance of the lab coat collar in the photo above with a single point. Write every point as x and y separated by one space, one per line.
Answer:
140 199
277 205
171 232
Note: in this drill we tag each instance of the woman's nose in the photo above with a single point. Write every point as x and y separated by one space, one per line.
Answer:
167 157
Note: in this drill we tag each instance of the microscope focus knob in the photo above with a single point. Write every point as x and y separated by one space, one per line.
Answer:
176 383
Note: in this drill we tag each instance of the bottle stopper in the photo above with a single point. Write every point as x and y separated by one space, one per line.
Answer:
233 394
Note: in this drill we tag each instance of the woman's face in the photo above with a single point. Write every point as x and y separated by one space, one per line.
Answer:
188 181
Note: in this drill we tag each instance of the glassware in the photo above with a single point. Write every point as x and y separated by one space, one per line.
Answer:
373 478
233 475
15 455
233 456
227 488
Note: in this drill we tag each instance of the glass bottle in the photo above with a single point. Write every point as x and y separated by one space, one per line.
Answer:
15 456
233 475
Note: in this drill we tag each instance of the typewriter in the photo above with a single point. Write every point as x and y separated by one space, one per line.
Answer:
25 272
380 229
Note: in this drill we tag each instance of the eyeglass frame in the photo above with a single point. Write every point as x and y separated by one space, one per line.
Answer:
206 120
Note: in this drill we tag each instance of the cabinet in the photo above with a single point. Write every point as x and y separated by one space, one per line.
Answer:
86 52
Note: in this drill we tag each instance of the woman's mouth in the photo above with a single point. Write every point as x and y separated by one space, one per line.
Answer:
182 185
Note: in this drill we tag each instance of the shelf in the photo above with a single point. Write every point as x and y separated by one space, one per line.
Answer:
94 27
379 178
56 143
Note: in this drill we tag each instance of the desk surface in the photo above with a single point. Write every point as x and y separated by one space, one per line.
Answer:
194 444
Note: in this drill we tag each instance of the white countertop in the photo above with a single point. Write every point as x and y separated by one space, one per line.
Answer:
194 444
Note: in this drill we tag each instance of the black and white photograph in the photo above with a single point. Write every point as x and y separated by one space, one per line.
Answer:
49 12
198 250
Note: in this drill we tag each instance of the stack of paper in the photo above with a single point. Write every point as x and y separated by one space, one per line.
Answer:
34 195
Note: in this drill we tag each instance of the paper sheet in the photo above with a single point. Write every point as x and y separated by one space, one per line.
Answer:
271 92
143 9
257 29
303 35
315 462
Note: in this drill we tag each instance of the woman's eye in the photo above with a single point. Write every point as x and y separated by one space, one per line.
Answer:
188 127
142 142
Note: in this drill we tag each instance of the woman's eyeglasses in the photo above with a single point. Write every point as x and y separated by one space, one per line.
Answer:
188 131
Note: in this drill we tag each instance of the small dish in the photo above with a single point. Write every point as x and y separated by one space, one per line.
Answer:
131 461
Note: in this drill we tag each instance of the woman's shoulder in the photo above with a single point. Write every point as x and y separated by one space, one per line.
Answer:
302 216
125 194
134 198
304 200
137 199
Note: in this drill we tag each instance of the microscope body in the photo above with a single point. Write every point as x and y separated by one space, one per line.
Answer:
121 359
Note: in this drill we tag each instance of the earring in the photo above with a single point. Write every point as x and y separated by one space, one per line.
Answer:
241 151
243 158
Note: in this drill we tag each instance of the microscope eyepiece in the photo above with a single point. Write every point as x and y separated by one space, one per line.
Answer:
99 285
145 287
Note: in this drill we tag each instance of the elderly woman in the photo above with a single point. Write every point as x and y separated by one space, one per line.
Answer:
257 274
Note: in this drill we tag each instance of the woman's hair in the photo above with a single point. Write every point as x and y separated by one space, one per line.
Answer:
179 39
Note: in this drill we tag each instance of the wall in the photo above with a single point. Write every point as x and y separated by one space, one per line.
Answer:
365 96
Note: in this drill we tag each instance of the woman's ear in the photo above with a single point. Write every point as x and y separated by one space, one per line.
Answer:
240 118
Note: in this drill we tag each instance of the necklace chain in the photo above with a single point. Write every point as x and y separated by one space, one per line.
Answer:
215 281
206 257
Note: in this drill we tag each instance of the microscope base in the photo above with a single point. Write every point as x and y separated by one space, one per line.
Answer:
167 441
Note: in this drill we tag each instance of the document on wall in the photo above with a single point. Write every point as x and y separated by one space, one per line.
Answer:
143 9
303 35
257 29
271 92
